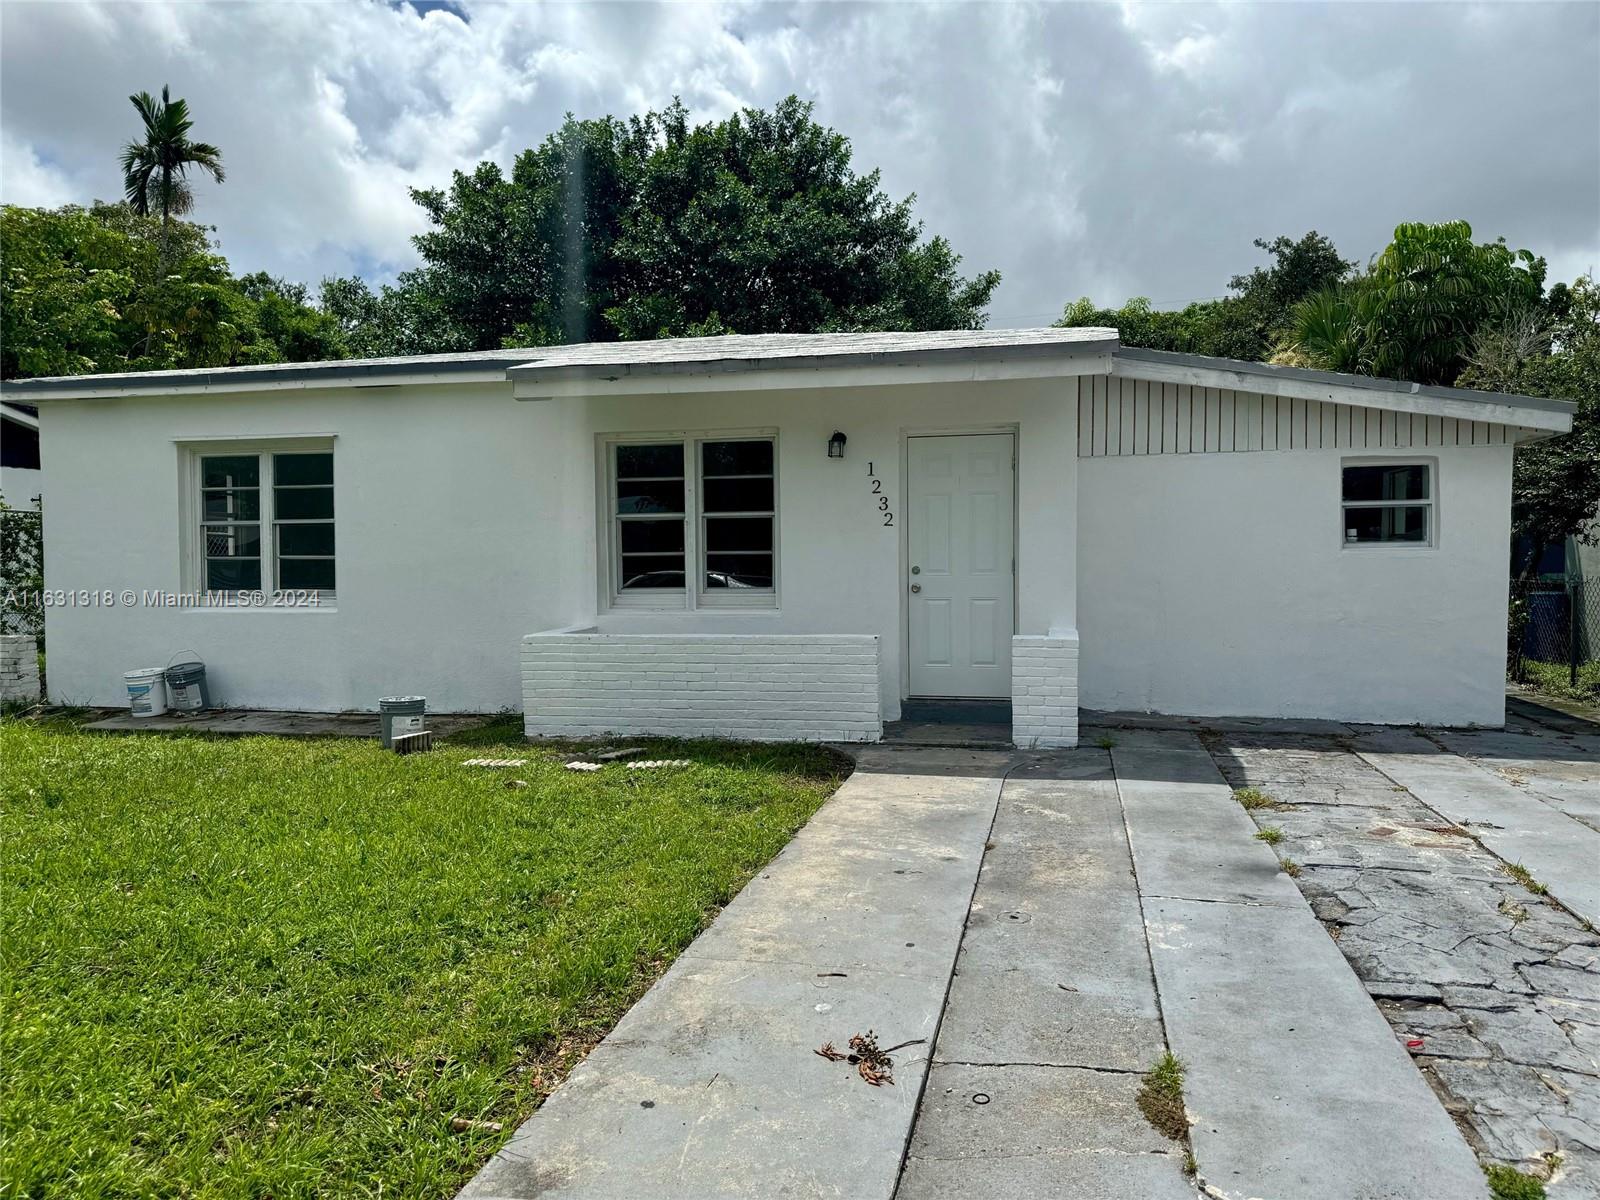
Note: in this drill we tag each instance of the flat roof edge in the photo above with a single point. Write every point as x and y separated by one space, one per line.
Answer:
844 360
333 373
1361 383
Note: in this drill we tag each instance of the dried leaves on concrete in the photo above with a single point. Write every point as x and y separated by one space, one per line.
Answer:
873 1064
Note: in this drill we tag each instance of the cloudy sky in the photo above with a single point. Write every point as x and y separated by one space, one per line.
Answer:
1084 150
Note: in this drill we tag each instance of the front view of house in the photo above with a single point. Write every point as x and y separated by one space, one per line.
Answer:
785 537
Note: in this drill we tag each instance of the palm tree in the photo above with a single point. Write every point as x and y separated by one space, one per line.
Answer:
154 170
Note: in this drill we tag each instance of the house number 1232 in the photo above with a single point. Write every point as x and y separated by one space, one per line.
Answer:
878 495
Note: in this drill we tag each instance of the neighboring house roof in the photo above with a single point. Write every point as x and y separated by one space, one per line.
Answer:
553 370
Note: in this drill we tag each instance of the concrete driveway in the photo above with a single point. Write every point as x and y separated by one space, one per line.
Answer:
1044 927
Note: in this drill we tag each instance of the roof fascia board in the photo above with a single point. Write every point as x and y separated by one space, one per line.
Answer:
1492 407
229 384
535 386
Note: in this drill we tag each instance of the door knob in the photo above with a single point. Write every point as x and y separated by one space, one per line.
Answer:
916 587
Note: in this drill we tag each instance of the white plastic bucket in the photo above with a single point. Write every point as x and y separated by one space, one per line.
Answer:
147 691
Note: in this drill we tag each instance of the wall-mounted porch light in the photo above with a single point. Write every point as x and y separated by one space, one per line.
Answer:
836 445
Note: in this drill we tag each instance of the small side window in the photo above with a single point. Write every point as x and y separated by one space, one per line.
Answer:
1388 503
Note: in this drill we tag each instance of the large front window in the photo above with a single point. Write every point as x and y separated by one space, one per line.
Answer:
266 522
692 521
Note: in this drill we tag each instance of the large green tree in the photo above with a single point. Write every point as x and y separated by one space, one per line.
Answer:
1414 313
652 227
1249 324
155 169
105 289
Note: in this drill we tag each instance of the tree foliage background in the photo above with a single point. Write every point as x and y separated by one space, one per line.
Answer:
651 227
98 289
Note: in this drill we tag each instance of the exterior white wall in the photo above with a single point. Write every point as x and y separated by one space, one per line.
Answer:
1218 584
19 667
450 507
758 687
1044 690
466 520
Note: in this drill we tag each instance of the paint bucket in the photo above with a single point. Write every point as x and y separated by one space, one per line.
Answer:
147 691
400 714
186 686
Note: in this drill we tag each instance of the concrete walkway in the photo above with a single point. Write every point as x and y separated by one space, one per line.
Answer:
1052 1015
709 1086
1296 1085
1558 849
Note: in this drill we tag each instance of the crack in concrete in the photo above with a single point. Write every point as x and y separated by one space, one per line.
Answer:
1063 1066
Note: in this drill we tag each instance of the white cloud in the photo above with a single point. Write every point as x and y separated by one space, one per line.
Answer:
1080 149
1217 144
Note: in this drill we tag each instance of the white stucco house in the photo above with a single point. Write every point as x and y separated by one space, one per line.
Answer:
787 536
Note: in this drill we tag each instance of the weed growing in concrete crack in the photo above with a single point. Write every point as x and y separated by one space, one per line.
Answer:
1508 1183
1190 1167
1510 908
1253 798
1161 1098
1525 877
1270 834
1106 743
1290 867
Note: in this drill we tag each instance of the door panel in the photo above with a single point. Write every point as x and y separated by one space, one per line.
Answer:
959 506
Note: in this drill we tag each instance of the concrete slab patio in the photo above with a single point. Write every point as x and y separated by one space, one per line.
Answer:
710 1087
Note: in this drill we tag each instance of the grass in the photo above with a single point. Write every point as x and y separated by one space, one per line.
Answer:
1270 834
1289 867
273 967
1508 1183
1555 679
1161 1098
1525 877
1253 798
1106 742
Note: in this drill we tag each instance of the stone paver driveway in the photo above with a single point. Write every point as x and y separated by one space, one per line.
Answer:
1409 856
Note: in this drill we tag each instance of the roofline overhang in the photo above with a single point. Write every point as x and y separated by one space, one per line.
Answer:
1498 408
960 364
266 378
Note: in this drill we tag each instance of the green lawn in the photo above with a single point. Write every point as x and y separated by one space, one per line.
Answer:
272 967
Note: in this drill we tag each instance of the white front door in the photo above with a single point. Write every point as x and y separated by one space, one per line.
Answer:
958 529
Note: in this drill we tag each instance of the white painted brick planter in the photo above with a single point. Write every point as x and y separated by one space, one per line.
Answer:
19 667
1044 690
751 687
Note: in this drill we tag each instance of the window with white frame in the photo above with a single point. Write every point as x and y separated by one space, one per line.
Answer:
693 521
265 521
1388 503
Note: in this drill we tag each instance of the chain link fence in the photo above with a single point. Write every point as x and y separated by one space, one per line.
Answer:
1554 636
21 571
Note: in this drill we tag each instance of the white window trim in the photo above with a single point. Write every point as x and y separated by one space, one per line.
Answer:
694 596
192 556
1431 503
